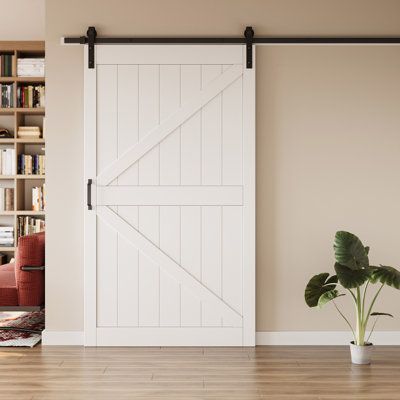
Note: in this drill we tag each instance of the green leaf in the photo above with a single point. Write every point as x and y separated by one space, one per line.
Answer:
387 275
377 314
349 251
350 278
328 296
317 286
367 249
332 279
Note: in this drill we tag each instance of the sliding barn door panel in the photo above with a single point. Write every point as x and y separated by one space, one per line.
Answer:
170 196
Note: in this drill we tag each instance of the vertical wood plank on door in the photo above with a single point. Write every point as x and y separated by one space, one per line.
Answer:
128 118
211 260
170 300
149 117
190 175
107 276
128 302
170 98
107 152
232 255
191 262
190 129
128 135
170 296
149 292
232 137
170 171
149 272
211 131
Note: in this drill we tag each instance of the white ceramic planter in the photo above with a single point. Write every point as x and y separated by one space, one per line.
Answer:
361 354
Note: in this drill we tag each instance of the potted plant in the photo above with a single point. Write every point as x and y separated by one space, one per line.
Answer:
354 275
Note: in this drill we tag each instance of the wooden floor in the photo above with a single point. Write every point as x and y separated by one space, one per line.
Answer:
285 373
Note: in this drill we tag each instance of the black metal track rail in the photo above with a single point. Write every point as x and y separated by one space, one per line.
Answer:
248 39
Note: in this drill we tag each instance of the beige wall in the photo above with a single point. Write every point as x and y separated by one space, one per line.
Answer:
328 141
22 19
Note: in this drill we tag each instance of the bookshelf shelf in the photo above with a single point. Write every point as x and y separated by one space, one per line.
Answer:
21 110
22 212
23 79
12 119
11 177
22 141
29 141
7 248
29 212
30 176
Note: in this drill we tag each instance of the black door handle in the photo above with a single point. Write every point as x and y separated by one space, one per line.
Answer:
89 194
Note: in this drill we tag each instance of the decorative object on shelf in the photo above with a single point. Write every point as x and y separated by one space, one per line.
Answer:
31 164
5 134
31 96
6 236
30 225
353 273
6 199
38 198
31 321
6 62
7 162
30 67
6 92
28 132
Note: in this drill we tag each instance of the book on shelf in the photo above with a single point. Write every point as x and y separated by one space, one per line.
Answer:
3 258
6 98
30 96
29 132
44 128
31 164
39 198
6 236
7 162
30 225
6 62
30 67
6 199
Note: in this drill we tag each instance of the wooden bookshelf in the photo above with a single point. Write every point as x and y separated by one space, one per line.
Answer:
12 119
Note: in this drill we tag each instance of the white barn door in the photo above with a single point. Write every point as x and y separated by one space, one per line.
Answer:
170 147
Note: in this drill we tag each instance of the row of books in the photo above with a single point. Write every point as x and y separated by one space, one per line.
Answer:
6 199
30 67
31 164
6 236
39 198
30 225
6 62
6 98
31 96
7 162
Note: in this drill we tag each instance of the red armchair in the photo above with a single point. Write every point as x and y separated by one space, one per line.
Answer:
22 282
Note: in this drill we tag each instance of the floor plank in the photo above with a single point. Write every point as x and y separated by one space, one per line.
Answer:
264 372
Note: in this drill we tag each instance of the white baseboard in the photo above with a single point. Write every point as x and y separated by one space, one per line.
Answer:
288 338
321 338
62 338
